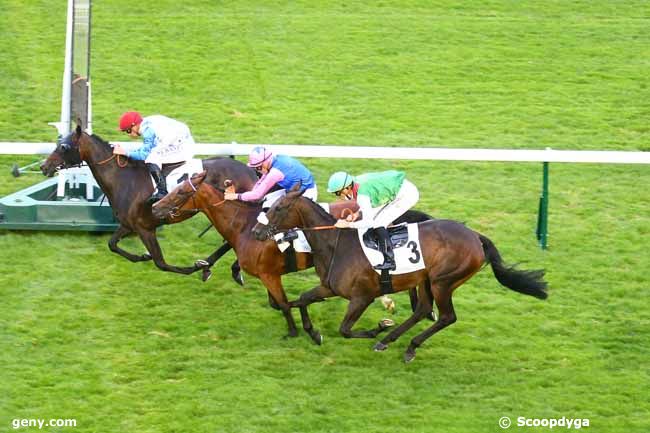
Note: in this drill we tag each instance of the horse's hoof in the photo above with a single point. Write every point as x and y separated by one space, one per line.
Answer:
386 323
205 276
380 347
146 256
238 277
318 339
201 264
388 304
409 356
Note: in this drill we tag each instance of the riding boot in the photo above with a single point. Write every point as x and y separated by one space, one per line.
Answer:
161 184
383 239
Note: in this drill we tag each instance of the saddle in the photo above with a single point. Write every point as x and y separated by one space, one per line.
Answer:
168 168
398 237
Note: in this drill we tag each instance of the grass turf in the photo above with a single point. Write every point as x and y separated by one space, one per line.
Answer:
124 347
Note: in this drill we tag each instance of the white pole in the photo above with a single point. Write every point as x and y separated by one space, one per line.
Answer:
67 73
63 125
89 127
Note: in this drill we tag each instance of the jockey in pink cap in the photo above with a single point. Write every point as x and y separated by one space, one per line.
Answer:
281 170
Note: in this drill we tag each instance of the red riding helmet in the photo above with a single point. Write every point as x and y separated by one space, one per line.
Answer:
129 119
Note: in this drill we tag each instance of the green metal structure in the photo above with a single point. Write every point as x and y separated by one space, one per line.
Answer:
39 208
542 214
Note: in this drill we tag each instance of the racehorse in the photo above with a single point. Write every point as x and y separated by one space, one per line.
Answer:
127 185
452 254
234 220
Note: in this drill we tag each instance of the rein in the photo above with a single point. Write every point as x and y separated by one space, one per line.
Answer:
177 212
119 164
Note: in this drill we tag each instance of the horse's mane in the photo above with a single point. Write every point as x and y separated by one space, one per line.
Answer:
97 139
319 210
247 204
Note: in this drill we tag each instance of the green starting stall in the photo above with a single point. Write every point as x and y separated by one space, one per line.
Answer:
82 207
72 200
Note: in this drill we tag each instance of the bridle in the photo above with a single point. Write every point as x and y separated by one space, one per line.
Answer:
272 229
175 211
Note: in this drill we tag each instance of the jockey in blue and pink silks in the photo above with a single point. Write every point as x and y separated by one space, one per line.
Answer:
281 170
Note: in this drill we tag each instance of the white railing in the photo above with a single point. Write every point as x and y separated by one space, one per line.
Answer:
365 152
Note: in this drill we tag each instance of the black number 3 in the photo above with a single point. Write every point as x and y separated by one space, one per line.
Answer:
414 249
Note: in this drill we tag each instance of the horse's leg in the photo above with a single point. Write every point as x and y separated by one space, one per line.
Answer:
272 302
317 294
413 296
118 235
235 272
212 259
422 309
150 241
447 317
273 284
356 307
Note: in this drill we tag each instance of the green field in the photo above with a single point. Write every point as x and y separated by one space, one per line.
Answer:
123 347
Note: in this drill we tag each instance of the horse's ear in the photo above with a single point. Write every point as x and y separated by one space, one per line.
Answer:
296 187
78 129
197 178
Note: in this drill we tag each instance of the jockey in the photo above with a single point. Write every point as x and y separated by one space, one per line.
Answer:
164 141
382 198
281 170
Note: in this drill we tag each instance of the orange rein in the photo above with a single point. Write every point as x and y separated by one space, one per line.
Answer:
119 164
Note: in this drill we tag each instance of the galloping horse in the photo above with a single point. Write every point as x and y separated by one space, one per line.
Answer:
235 220
127 185
452 254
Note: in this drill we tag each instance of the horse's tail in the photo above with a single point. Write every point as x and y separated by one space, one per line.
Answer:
526 282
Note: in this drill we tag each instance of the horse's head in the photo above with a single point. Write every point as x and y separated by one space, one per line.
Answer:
281 216
172 202
65 155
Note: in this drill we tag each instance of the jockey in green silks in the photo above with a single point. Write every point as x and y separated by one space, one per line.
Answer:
382 198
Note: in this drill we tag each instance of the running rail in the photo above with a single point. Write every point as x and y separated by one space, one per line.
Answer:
366 152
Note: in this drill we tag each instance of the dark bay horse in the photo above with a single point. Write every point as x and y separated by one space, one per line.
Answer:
127 185
452 254
234 220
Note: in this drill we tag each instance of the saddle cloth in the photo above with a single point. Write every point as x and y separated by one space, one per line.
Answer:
182 173
300 244
408 253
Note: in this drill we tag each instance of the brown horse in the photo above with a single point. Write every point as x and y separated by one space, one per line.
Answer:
452 254
127 185
235 220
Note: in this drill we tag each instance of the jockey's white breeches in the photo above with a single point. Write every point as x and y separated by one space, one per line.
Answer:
179 149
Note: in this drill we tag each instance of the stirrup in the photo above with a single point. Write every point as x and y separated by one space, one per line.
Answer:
388 265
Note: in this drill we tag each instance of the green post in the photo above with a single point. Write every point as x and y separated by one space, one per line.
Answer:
542 214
